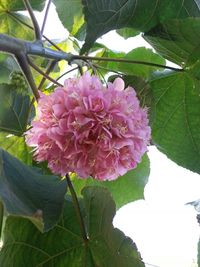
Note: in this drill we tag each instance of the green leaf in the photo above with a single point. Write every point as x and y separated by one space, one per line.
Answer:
16 146
26 192
125 189
10 24
175 118
62 246
127 32
177 40
103 16
14 110
70 14
18 5
7 66
141 54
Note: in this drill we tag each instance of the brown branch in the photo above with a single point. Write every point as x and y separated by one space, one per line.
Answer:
43 73
49 69
30 27
45 16
24 64
38 35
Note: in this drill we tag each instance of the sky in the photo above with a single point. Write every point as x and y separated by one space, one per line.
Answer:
163 227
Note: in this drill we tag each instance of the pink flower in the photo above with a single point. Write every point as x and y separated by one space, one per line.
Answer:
90 129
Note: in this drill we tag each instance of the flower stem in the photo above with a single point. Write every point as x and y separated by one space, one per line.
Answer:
67 72
77 209
49 69
43 73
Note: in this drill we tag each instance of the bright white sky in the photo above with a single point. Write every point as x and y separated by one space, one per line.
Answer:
163 227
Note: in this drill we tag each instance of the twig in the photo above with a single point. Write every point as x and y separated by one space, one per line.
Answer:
103 68
38 35
67 72
49 69
24 64
77 209
122 60
43 73
45 16
30 27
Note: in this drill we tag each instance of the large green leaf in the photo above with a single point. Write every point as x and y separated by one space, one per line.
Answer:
16 146
125 189
141 54
175 118
14 110
10 24
26 192
102 16
62 246
18 5
177 40
70 13
7 65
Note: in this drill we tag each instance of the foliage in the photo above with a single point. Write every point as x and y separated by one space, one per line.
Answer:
64 244
31 195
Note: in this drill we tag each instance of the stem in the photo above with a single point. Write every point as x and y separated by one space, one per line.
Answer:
49 69
43 73
24 64
110 70
77 209
67 73
122 60
38 35
1 217
45 16
30 27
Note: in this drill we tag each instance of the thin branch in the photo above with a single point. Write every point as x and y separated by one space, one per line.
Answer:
24 64
106 69
122 60
38 35
77 209
67 72
43 73
30 27
45 16
49 69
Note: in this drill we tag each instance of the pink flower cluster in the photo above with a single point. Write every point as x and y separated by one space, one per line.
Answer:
90 129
